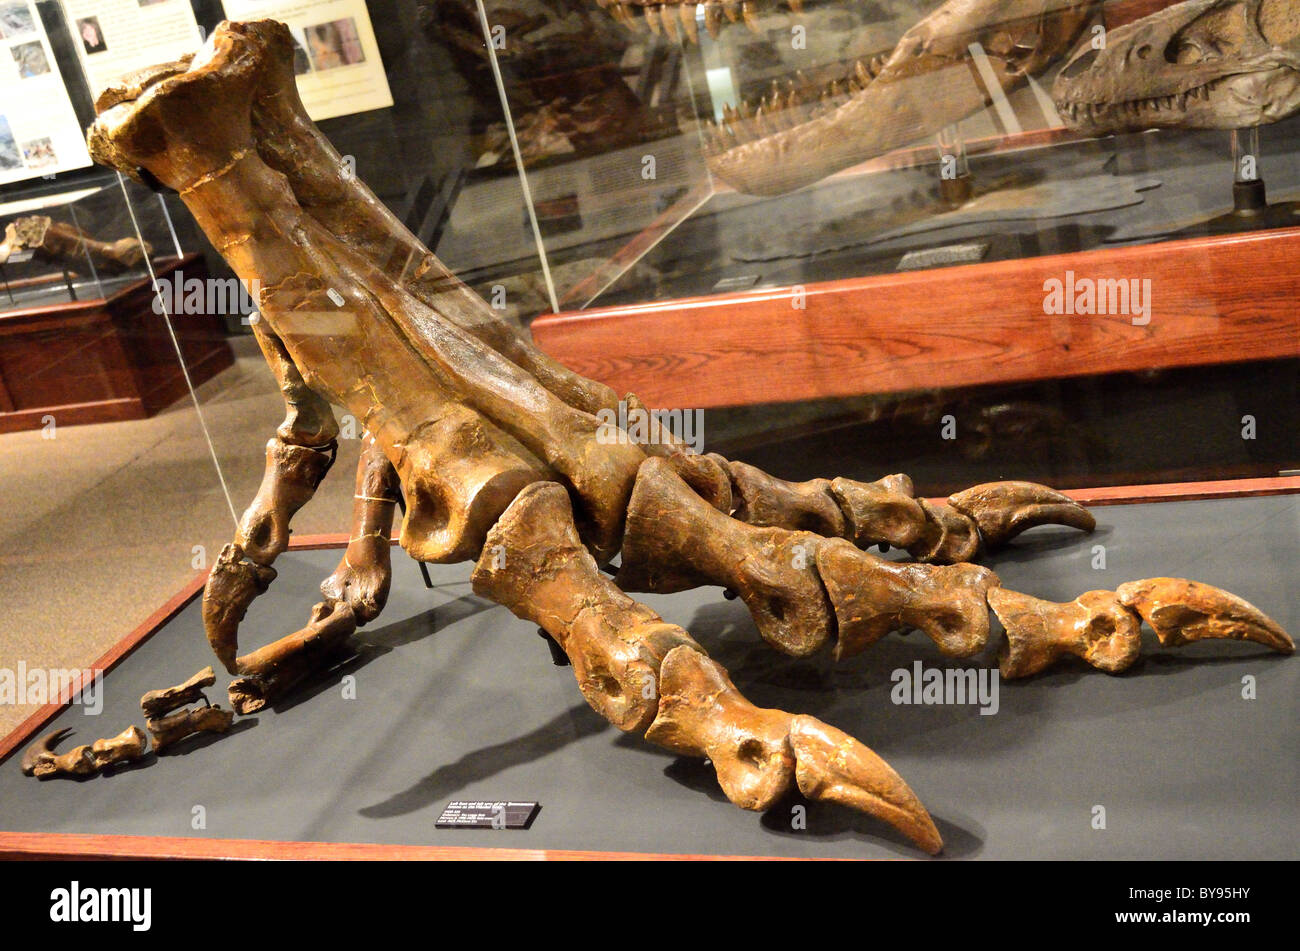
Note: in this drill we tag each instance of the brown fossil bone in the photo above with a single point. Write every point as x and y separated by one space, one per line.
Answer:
61 243
760 754
535 564
364 574
1182 611
1201 64
155 703
872 597
292 476
41 761
676 541
1094 626
169 730
885 512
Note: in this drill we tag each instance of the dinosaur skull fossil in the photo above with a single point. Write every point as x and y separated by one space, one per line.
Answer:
1203 64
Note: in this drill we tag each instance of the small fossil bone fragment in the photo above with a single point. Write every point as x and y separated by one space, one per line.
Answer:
155 703
169 730
41 761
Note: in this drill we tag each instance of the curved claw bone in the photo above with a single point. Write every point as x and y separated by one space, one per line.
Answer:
832 765
231 588
1094 626
268 672
40 760
759 754
1003 510
1182 611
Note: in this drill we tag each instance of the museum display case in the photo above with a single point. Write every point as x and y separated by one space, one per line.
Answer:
629 319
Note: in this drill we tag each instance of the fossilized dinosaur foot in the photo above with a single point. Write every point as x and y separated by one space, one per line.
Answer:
41 761
760 755
1104 627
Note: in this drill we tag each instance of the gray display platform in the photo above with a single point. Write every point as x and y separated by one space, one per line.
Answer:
457 699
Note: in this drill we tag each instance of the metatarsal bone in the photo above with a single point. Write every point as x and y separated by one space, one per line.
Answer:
675 541
535 564
289 142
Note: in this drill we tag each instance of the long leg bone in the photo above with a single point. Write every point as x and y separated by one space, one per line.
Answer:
639 672
61 243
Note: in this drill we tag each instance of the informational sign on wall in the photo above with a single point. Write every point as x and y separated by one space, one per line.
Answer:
335 53
39 131
116 37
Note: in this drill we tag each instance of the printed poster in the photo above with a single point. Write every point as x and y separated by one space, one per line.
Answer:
116 37
335 53
39 131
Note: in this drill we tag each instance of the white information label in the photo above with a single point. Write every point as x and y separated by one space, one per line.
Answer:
336 56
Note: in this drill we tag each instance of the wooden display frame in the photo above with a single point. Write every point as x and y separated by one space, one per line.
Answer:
1224 299
33 845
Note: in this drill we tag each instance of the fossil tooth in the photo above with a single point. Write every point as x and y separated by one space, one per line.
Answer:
745 111
713 18
651 13
796 6
749 11
732 9
669 19
687 13
877 64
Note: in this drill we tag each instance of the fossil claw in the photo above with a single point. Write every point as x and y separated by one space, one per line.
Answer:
1003 510
831 765
42 749
1182 611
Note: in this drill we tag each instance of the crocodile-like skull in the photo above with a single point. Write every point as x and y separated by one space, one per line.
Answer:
1203 64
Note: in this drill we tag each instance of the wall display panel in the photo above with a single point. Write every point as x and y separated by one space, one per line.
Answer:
40 134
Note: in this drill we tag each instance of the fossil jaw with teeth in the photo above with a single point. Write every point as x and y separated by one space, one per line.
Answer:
890 99
1202 64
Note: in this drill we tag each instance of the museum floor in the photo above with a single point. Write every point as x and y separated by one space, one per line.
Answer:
101 521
